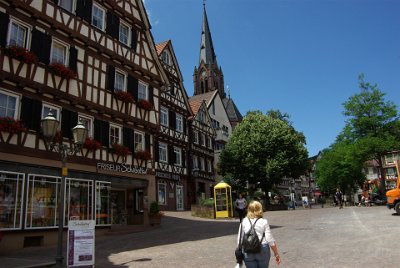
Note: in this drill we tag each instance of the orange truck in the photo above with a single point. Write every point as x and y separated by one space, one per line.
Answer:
393 196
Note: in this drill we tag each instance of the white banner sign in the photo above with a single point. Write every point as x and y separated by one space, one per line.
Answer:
80 243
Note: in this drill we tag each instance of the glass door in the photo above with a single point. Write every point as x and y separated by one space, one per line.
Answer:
179 197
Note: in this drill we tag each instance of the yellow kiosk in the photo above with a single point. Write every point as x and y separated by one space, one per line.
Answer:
223 200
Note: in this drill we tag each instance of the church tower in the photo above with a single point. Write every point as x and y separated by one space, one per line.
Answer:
207 76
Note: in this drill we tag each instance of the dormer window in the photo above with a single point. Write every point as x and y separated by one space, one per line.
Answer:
166 57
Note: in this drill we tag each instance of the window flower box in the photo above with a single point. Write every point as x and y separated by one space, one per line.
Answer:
120 150
144 104
61 70
9 124
124 96
20 54
143 155
91 144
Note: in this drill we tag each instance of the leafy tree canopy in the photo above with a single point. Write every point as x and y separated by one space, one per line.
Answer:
372 129
264 148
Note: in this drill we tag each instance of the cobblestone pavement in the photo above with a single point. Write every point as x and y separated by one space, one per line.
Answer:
330 237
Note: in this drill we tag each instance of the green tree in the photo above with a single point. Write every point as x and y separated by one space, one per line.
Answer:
340 167
264 148
372 125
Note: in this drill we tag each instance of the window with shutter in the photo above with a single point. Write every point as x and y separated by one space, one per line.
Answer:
4 21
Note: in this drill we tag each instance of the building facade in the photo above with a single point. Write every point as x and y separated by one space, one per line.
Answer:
172 141
88 61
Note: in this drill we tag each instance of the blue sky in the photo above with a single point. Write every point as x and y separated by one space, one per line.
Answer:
302 57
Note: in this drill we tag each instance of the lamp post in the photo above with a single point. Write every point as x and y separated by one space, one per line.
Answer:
79 132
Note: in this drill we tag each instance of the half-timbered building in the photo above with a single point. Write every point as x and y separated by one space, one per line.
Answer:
201 151
89 61
172 142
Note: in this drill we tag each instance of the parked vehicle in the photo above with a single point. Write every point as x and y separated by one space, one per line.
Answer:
378 199
393 196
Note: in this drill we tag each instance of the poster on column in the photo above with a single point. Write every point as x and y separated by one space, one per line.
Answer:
80 243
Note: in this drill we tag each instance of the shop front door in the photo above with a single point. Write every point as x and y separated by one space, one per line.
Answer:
179 197
118 207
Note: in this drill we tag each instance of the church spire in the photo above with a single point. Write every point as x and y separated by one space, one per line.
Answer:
207 54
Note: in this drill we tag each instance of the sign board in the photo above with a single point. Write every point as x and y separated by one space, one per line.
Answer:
80 243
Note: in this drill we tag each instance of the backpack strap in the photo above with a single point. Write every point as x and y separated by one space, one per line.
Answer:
253 225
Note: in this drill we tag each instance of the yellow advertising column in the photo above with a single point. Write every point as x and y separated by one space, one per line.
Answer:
223 200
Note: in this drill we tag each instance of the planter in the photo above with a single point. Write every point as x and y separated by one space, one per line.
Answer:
120 150
20 54
203 211
143 155
124 96
146 105
91 144
155 219
61 70
9 124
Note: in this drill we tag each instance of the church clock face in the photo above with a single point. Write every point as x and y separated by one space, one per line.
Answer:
203 74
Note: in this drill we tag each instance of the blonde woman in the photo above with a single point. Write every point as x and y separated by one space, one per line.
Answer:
260 260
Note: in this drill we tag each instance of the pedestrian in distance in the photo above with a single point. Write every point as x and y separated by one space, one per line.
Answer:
339 198
262 228
240 205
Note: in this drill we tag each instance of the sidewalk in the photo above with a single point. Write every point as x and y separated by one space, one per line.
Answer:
45 256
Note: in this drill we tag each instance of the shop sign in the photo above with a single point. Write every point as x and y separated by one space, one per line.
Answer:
124 168
81 243
169 176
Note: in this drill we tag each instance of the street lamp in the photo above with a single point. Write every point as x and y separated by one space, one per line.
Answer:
79 132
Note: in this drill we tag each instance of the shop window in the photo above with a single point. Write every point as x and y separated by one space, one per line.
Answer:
162 193
79 200
139 195
103 212
11 186
43 201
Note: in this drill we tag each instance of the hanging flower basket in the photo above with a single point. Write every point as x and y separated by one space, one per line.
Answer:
124 96
9 124
120 149
143 155
91 144
20 54
144 104
61 70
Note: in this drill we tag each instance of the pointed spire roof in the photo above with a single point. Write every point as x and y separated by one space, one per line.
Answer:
207 54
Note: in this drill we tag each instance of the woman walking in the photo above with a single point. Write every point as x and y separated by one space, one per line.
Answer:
261 226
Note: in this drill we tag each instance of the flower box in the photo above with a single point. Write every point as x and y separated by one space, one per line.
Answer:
20 54
120 149
61 70
143 155
144 104
9 124
91 144
124 96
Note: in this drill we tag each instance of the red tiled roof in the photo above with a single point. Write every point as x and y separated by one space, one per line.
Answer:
160 47
196 100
